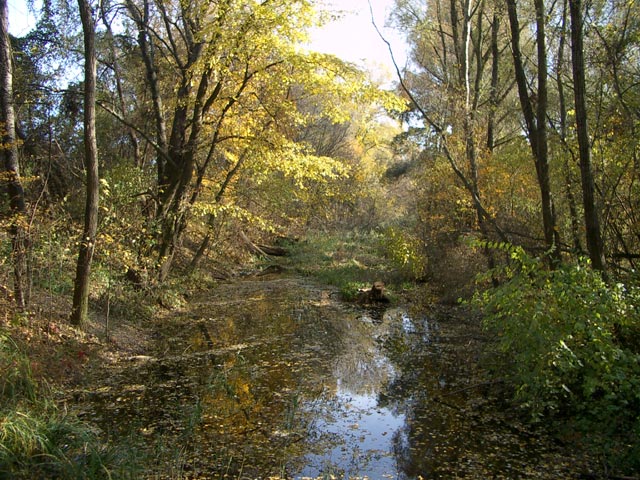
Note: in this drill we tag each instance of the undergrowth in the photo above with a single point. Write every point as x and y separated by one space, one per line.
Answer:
37 438
348 260
567 343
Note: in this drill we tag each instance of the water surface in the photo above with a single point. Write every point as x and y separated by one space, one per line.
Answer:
279 378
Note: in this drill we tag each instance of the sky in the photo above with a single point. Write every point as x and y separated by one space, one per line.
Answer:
20 20
352 37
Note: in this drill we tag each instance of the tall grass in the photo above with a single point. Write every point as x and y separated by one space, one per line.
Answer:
37 439
347 260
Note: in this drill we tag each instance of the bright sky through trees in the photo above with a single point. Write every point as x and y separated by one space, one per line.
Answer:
351 37
21 20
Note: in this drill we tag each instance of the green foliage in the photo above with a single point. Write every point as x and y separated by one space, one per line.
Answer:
52 253
567 343
405 251
348 261
126 230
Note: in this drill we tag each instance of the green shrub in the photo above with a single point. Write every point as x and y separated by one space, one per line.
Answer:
565 340
405 251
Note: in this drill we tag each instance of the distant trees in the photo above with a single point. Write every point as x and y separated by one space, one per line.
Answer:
484 66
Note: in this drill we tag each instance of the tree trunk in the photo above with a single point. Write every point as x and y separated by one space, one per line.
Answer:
87 243
147 50
592 223
493 92
9 153
551 233
562 106
535 120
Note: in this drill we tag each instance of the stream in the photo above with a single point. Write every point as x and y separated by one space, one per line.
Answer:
276 377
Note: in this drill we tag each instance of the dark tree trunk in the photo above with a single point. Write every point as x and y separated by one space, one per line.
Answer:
535 120
562 105
9 153
493 92
551 232
592 223
147 50
87 243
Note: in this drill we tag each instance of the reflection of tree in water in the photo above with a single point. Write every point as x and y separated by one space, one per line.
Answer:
247 387
410 348
453 428
360 367
251 407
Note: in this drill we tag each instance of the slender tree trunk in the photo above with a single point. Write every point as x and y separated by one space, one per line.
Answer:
562 105
592 223
535 120
495 71
551 232
147 50
9 154
87 243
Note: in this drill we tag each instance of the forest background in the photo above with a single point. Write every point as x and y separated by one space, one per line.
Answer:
508 147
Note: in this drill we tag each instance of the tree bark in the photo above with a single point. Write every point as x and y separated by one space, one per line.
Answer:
9 153
495 71
147 50
87 243
551 232
562 106
535 120
592 222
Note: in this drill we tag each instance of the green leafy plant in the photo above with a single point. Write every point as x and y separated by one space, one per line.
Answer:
405 251
565 339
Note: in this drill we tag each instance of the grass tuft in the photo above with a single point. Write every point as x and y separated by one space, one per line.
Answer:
37 440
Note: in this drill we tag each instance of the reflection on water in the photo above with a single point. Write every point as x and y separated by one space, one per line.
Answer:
278 378
352 434
358 437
